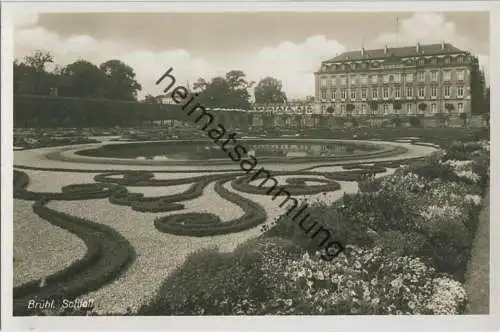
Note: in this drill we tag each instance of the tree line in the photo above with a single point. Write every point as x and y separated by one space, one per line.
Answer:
112 79
115 80
232 91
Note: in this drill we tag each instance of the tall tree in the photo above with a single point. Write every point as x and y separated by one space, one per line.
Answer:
239 85
83 79
486 114
122 84
237 80
230 91
200 84
269 91
216 93
38 60
31 76
478 87
150 99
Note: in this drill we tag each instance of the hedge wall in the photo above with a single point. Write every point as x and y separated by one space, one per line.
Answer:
32 111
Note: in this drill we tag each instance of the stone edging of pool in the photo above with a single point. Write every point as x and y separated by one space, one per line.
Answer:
415 150
383 150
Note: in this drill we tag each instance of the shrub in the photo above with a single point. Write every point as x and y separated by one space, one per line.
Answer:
430 170
382 210
322 216
415 122
399 243
213 283
414 209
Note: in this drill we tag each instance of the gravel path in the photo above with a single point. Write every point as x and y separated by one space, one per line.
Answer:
158 254
40 248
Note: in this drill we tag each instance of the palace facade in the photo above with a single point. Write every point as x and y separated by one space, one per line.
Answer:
425 80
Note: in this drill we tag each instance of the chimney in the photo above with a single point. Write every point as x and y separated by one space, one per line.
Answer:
362 51
385 50
418 47
442 45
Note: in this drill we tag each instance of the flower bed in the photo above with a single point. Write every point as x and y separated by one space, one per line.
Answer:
408 237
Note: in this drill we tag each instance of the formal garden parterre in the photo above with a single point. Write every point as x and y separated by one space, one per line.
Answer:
408 238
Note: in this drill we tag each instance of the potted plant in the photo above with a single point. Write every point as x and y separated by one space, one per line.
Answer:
463 117
422 107
350 108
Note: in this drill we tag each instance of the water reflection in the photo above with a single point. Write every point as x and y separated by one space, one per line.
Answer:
285 150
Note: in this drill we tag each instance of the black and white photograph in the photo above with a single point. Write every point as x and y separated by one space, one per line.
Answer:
250 163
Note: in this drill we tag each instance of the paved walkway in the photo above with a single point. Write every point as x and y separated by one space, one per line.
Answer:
478 272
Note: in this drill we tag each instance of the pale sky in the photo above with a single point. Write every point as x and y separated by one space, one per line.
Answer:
288 46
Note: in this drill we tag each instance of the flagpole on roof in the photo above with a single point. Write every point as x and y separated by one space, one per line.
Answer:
397 31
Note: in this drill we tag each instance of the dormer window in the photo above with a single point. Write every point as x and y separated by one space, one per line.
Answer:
421 62
365 65
447 60
434 61
353 66
460 59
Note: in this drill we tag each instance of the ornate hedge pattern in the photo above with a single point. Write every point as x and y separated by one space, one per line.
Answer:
109 254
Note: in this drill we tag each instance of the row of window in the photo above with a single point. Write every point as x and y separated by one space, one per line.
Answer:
391 93
386 108
366 65
396 78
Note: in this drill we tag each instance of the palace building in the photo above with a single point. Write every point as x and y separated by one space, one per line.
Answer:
425 80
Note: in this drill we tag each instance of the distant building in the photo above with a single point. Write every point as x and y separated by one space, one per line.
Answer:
293 107
414 80
166 99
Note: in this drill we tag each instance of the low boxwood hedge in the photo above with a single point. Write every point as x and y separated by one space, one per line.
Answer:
374 168
296 186
204 224
70 193
108 254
